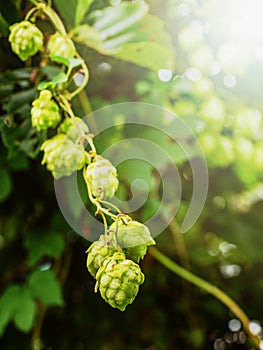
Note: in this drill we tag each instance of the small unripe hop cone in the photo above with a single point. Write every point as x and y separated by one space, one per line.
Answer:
133 237
97 252
25 39
45 111
62 156
118 280
61 45
101 178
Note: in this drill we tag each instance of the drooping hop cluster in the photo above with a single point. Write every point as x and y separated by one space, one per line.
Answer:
101 178
61 45
62 156
118 280
25 39
45 111
116 268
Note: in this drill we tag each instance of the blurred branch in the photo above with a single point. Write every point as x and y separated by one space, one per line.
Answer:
180 246
209 288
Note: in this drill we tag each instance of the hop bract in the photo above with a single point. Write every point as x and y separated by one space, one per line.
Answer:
61 45
97 252
75 128
62 156
118 280
101 178
45 111
26 39
133 236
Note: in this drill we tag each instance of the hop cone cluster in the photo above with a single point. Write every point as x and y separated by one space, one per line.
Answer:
62 156
118 280
101 177
45 111
61 45
26 39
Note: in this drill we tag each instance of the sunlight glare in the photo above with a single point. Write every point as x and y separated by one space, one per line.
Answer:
246 19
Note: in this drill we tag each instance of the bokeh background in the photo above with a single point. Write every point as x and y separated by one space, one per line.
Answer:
214 83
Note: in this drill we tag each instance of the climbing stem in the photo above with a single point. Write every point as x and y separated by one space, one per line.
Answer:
209 288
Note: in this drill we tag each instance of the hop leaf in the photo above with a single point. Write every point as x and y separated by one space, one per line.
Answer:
26 39
97 252
101 177
45 111
61 45
118 280
62 156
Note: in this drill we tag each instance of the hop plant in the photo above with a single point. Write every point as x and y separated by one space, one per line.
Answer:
133 236
101 177
25 39
62 156
45 111
75 128
61 45
118 280
97 252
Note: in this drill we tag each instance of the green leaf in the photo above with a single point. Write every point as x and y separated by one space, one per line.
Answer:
43 85
68 62
41 244
147 54
45 287
26 311
126 32
60 78
19 99
59 59
81 10
3 25
9 302
5 184
67 9
75 62
114 20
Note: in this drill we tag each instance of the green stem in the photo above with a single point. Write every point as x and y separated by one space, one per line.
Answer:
96 202
110 205
86 77
208 287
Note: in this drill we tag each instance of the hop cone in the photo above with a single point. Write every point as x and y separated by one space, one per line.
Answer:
118 280
61 45
97 252
75 128
133 236
101 177
45 111
26 39
62 156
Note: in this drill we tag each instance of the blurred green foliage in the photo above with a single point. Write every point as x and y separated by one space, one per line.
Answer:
215 87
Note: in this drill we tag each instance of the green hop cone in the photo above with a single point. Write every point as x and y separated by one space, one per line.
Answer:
133 236
25 39
45 111
61 45
118 280
75 128
101 178
97 252
62 156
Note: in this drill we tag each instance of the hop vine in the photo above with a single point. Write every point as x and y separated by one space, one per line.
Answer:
113 259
